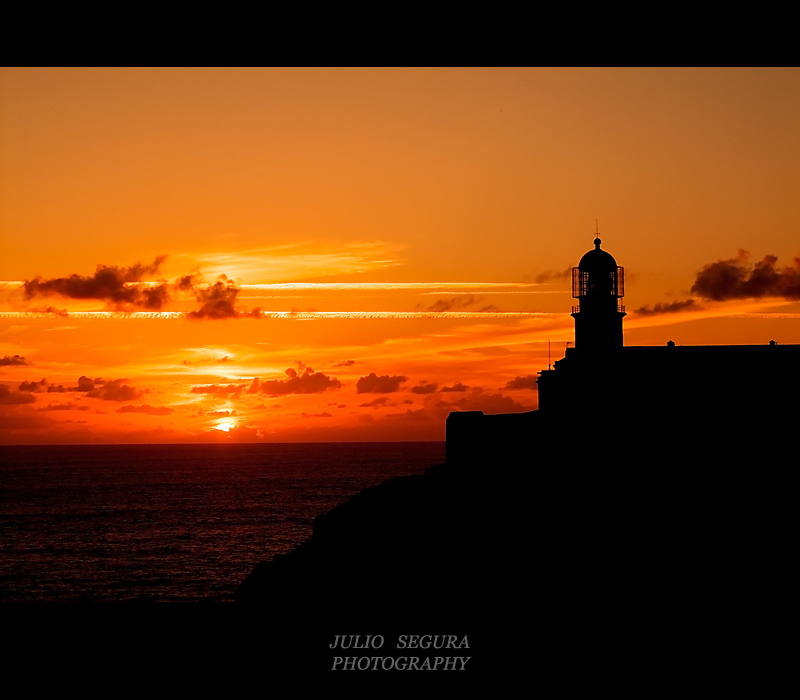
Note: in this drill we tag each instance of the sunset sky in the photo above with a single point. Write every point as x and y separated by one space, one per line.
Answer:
395 243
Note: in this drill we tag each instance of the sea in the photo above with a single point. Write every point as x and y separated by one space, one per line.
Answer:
172 522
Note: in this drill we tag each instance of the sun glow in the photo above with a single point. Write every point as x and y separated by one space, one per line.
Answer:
225 427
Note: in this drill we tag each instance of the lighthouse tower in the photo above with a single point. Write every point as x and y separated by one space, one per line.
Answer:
598 284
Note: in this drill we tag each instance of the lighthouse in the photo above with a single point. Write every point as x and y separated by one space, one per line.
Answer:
598 284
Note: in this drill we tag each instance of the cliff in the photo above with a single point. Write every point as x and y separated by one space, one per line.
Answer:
669 532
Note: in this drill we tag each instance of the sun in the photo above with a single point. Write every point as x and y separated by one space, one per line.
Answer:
225 427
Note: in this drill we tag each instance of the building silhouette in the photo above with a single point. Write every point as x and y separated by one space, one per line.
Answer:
672 399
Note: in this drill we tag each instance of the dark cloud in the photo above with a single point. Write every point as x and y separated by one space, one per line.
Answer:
124 289
12 360
119 287
86 384
736 278
222 414
382 401
187 283
668 307
147 409
458 386
373 384
451 303
307 381
490 309
317 415
49 310
345 363
216 300
9 397
254 386
488 403
64 407
551 276
60 389
115 390
35 387
527 382
423 388
226 391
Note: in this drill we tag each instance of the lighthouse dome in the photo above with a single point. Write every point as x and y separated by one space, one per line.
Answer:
597 260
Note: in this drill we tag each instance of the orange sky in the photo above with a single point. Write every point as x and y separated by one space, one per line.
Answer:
404 233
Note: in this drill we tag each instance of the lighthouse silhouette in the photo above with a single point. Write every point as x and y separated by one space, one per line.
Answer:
636 389
599 285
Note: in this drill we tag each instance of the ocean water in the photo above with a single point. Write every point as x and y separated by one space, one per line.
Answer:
171 522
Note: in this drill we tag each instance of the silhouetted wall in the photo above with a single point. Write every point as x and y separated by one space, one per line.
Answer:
681 396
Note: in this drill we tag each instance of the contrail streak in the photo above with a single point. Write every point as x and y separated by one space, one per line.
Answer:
298 315
349 285
386 285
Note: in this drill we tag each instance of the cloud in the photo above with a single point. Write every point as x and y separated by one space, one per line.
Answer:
221 414
373 384
458 386
33 386
53 389
9 397
86 384
423 388
216 300
119 287
488 403
345 363
452 304
254 386
64 407
115 390
309 259
49 310
187 283
316 415
668 307
12 360
307 381
527 382
226 391
490 309
382 401
551 275
124 289
736 278
147 409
